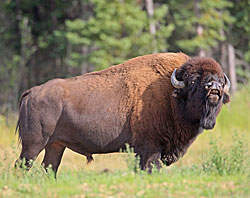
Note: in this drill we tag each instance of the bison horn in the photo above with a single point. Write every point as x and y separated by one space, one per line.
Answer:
176 83
227 84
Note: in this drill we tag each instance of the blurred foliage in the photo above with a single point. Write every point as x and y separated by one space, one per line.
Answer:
240 29
213 17
117 31
45 39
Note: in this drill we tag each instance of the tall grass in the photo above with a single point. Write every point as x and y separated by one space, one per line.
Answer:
222 173
7 131
220 159
235 115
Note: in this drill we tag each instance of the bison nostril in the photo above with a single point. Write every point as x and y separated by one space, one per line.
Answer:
208 85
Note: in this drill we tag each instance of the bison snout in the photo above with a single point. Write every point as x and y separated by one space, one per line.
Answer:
214 92
213 85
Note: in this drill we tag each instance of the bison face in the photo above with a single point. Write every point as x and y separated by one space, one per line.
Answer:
201 89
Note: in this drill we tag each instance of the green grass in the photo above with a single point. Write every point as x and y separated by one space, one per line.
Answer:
216 165
176 181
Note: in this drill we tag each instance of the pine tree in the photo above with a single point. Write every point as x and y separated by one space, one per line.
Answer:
198 24
117 31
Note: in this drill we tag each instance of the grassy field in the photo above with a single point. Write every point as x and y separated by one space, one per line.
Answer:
216 165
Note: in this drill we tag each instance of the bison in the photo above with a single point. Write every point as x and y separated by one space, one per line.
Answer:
158 104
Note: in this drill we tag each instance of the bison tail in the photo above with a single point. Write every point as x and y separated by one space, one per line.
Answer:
27 92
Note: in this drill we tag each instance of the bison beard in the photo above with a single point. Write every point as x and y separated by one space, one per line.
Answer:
208 119
157 103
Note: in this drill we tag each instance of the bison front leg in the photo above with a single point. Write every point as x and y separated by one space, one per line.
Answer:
148 159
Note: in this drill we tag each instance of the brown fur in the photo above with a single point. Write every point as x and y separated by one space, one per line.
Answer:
101 111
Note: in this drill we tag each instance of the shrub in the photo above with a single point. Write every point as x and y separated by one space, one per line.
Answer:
132 161
227 160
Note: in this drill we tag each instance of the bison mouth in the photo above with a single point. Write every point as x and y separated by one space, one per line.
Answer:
213 96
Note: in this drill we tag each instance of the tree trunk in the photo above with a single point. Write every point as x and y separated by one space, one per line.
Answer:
85 65
199 29
231 68
152 27
223 56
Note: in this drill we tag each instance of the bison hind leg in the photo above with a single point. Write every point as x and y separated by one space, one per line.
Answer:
53 156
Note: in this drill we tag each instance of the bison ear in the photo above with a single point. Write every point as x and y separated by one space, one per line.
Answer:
176 93
226 98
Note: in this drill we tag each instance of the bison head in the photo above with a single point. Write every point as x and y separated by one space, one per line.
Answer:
201 89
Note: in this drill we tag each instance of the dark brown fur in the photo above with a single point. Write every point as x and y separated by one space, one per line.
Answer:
130 103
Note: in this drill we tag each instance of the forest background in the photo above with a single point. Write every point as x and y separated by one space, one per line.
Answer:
46 39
